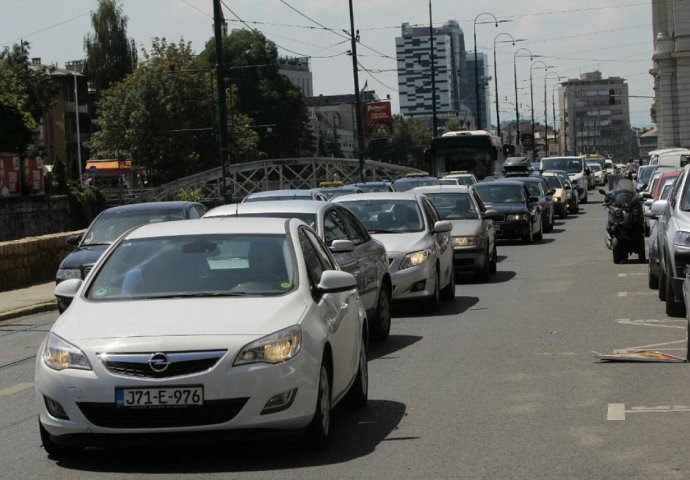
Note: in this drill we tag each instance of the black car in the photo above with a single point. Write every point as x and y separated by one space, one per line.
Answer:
521 215
113 222
384 186
539 188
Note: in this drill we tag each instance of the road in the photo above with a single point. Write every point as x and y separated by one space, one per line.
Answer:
500 384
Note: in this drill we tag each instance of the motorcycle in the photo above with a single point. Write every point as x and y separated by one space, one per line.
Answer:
625 225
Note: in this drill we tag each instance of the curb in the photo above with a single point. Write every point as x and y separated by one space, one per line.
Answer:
29 310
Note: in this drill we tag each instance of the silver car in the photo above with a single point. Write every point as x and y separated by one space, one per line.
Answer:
473 235
417 241
355 251
294 194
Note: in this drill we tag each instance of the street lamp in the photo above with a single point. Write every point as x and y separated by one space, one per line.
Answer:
476 63
546 121
498 115
553 105
517 105
531 89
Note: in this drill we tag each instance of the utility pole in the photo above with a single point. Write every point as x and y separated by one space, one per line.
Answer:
218 20
358 102
433 76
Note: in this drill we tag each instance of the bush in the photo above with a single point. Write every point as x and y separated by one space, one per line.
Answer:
84 205
190 195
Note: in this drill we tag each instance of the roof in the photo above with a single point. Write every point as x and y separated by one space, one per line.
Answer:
139 207
409 195
273 226
296 206
296 192
442 189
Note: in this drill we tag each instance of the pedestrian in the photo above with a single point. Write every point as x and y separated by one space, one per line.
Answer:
630 167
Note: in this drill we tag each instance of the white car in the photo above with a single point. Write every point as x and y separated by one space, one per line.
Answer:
418 243
200 329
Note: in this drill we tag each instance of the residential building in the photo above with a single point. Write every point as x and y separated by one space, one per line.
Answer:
595 116
647 142
671 71
413 52
298 71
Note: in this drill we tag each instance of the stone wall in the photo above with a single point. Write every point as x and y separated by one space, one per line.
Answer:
22 217
32 260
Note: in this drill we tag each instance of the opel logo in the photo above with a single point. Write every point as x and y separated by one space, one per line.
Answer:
159 362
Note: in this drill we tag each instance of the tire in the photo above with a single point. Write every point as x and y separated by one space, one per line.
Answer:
652 280
358 394
540 236
529 238
318 431
564 213
55 449
433 302
662 285
448 292
485 272
642 254
494 261
618 255
673 308
584 200
381 328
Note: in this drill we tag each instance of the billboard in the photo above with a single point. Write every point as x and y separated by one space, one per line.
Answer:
379 119
9 174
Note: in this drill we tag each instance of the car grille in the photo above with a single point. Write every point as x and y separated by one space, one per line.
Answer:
179 363
212 412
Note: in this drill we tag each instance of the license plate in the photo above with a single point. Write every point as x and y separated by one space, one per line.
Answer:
159 397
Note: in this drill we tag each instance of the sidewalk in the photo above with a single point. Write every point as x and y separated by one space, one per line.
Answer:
27 300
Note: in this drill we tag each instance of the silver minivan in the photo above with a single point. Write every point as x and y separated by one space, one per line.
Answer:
575 167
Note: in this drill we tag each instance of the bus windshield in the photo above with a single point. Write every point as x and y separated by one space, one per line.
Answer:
473 153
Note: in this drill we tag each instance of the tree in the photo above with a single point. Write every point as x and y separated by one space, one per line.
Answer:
271 99
410 138
18 127
452 125
163 116
652 112
110 55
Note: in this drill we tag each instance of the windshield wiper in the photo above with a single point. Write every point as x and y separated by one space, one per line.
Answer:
190 295
382 231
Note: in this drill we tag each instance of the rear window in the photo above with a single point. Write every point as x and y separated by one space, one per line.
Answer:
110 225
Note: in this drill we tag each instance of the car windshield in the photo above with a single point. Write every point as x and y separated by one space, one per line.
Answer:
594 167
553 181
453 206
405 184
666 191
196 266
388 216
569 165
644 173
110 225
500 193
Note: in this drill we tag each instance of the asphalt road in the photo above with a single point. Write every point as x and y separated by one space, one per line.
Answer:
500 384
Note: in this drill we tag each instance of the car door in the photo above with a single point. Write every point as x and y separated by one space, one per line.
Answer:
442 240
338 311
667 222
487 224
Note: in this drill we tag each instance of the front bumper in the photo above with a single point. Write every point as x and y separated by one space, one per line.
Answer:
512 229
414 282
469 258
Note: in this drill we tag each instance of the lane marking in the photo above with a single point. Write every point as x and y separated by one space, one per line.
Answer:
624 275
20 387
655 323
616 412
641 294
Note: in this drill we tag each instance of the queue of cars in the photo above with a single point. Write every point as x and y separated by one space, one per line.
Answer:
286 292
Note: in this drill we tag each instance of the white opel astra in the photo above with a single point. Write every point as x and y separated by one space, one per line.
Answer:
203 329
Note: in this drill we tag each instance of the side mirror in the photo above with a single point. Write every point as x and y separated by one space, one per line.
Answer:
334 281
684 160
73 240
443 226
65 292
646 195
659 207
342 246
603 192
491 214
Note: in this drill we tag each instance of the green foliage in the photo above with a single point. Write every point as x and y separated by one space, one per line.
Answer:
274 103
452 125
59 176
410 138
190 195
84 205
18 127
652 112
110 55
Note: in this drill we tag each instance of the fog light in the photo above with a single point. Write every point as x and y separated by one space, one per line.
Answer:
280 402
419 286
55 409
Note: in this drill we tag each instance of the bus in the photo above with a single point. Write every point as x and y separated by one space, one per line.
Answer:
474 151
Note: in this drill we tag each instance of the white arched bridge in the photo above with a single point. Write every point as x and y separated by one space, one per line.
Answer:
271 174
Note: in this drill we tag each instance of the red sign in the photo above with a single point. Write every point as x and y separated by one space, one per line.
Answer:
9 174
33 169
379 118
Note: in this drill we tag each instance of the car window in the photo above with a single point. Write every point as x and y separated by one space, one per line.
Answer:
358 233
432 215
334 228
108 226
322 253
675 192
534 189
553 182
311 259
194 213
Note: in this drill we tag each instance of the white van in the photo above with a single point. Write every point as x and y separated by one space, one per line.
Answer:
577 171
677 158
655 154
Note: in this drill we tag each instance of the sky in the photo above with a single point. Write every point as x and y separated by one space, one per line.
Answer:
570 36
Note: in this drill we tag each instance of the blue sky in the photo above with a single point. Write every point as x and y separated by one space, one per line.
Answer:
573 36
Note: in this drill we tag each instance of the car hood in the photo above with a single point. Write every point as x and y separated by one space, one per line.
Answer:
83 256
255 316
507 208
465 227
403 242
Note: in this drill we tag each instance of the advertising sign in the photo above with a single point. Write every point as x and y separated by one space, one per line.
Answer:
9 174
33 169
379 119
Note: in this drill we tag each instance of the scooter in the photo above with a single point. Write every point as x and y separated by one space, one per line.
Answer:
625 225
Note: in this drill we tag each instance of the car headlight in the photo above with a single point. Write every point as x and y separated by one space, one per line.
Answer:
59 354
67 273
415 259
275 348
682 239
467 241
516 217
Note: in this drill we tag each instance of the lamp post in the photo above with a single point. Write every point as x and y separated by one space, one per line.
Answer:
531 89
218 20
517 108
476 63
546 122
498 115
354 38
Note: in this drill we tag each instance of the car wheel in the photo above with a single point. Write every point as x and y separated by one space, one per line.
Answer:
687 341
662 284
382 326
673 308
448 292
55 449
358 394
641 252
318 431
584 200
564 213
653 280
434 301
529 238
540 235
494 261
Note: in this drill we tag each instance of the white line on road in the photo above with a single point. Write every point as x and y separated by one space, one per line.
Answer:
616 411
20 387
651 322
625 294
623 275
